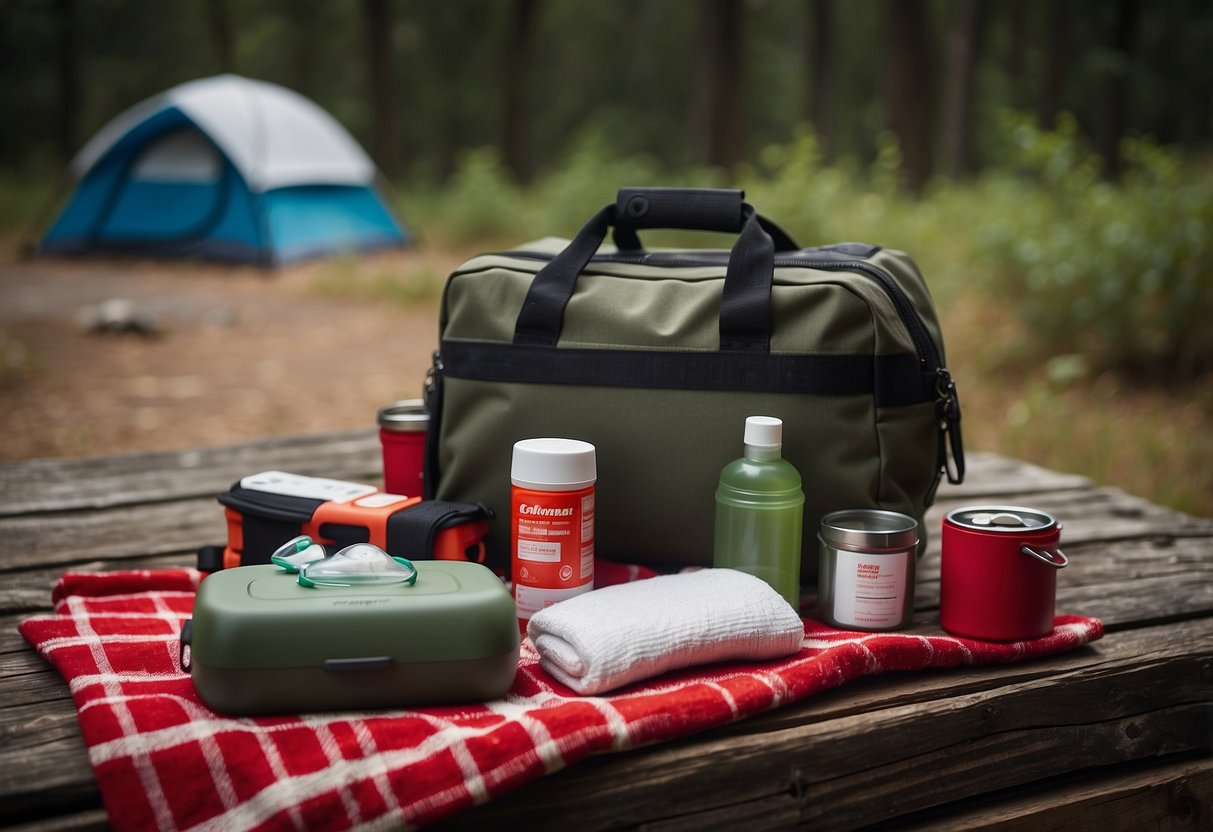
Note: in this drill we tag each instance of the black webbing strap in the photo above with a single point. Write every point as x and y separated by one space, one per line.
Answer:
411 532
745 310
542 313
210 558
892 380
745 305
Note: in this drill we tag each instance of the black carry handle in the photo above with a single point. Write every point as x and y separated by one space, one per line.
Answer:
696 209
745 306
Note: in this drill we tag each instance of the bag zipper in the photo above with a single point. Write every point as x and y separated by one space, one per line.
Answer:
947 403
928 355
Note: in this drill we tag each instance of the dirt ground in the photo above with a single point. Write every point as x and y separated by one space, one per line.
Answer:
243 352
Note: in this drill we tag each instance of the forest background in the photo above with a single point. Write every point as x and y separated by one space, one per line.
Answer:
1047 162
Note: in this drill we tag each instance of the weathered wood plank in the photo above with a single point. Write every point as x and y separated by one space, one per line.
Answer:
29 590
1094 516
115 533
877 749
162 528
1160 796
1156 795
990 474
1117 603
1136 700
47 780
44 485
24 729
1116 566
86 820
28 680
840 725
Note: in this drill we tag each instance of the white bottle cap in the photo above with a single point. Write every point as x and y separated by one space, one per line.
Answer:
553 464
764 431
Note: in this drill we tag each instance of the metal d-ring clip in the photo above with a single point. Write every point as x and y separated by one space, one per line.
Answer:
1046 557
185 655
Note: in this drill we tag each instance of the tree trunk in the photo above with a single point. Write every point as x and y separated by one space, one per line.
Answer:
69 82
385 133
1057 60
909 87
821 71
718 115
1018 14
516 115
964 45
1116 92
305 44
219 17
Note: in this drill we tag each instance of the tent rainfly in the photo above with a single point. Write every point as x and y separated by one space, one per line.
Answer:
224 168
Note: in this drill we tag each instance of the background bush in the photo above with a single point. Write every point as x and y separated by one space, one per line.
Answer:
1123 274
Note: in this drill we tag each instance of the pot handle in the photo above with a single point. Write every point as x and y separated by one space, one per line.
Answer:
1057 558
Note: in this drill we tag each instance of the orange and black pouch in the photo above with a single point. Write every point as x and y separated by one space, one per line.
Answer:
259 520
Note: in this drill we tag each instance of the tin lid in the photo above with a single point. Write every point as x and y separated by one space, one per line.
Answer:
869 529
1005 519
406 415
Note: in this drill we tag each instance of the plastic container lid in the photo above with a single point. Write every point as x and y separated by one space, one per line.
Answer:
553 464
764 431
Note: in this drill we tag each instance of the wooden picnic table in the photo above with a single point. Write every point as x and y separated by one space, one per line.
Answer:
1115 735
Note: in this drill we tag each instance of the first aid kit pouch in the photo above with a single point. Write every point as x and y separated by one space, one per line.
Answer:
267 509
260 643
657 357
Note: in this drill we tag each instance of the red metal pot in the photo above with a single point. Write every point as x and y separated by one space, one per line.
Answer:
998 572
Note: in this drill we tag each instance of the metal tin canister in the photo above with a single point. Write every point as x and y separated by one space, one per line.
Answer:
402 430
998 572
865 575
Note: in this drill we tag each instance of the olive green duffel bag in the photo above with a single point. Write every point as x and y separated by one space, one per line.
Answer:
657 358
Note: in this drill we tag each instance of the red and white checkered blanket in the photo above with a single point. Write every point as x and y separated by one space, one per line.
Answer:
164 760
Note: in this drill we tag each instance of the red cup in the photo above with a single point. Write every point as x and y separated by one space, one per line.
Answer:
998 572
402 430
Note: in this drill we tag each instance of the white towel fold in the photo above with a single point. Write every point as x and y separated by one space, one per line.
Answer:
620 634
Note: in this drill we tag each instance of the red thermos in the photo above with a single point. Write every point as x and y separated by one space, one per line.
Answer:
402 430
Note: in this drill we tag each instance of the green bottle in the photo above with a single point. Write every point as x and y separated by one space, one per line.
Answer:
760 511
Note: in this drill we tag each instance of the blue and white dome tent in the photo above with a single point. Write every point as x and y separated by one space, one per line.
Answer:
224 168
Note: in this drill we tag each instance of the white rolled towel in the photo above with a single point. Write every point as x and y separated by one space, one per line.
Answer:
624 633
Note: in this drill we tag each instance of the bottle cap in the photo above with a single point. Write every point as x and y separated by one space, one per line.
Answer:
553 464
764 431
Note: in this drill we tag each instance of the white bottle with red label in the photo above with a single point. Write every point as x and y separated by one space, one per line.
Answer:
551 522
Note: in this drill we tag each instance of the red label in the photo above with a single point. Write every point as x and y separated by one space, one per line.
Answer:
552 538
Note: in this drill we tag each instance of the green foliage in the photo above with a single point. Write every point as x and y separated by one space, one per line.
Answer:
1121 273
479 202
16 362
22 197
343 278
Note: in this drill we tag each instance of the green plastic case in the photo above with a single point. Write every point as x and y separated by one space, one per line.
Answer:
260 643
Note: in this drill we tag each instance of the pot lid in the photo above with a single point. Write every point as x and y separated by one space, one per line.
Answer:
1006 519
